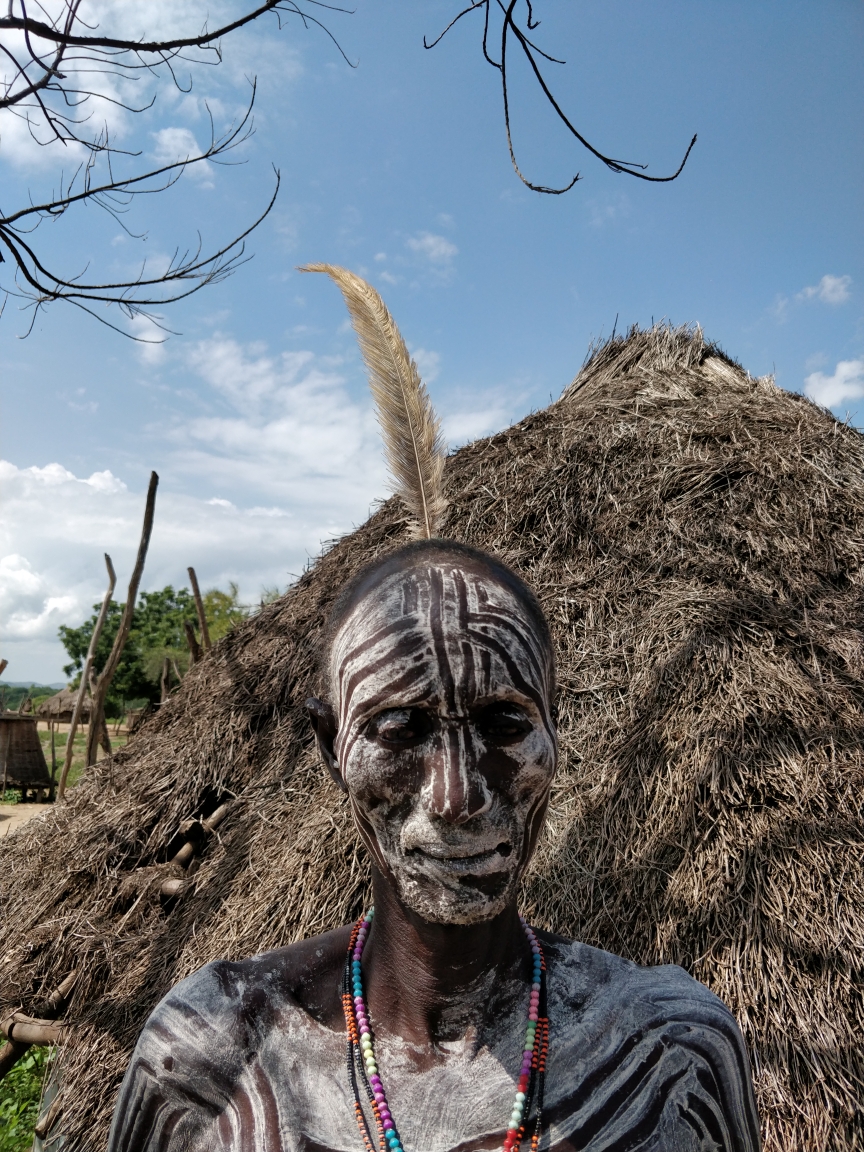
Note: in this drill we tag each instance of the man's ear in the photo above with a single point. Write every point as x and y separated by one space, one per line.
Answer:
324 724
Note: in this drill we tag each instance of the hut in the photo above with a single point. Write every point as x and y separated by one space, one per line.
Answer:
61 706
697 539
22 761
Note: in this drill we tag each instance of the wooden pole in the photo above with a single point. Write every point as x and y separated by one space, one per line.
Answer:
165 683
6 762
12 1051
192 641
85 678
103 683
53 762
199 606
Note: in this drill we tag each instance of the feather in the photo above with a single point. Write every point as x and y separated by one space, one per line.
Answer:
412 433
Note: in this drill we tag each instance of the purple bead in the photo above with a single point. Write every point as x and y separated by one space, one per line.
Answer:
375 1080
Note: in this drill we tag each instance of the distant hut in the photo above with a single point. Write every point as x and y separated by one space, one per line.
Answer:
696 537
61 705
22 761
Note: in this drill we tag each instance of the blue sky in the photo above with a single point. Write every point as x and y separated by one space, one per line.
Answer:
256 415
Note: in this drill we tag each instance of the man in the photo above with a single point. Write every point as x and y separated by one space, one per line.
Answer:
439 728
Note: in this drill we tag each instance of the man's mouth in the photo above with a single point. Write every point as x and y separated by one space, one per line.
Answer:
459 858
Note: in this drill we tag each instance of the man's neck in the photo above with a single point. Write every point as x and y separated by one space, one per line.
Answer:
432 983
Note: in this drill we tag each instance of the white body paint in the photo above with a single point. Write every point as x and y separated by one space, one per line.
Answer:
440 814
207 1077
442 688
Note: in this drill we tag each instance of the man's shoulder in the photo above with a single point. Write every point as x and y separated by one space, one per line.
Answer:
592 981
254 991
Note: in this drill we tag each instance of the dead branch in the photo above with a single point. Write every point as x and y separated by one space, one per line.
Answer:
199 608
192 642
103 683
85 678
197 833
511 28
51 80
14 1048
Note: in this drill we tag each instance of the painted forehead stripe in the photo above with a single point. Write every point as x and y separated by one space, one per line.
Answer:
471 628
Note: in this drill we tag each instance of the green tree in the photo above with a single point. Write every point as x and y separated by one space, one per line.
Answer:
223 610
157 634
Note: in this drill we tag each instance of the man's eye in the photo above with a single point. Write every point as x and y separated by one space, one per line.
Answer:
504 723
400 726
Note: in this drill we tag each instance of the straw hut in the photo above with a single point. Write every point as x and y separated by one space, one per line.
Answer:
61 705
22 761
697 539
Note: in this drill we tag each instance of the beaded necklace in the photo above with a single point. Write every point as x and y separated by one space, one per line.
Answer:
363 1067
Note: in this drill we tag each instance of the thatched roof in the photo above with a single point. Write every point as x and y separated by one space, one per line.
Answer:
61 705
697 539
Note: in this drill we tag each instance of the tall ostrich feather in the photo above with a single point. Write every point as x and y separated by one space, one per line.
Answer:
411 430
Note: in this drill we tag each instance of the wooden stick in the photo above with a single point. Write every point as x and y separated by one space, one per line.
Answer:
4 664
199 606
53 762
12 1051
85 679
6 762
47 1122
192 641
97 707
21 1029
183 858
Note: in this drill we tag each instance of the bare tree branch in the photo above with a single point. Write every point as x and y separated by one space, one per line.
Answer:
53 70
510 27
103 682
85 678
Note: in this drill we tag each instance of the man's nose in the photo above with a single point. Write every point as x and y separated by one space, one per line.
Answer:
455 789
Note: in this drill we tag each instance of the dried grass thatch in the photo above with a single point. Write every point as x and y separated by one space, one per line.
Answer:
697 539
61 706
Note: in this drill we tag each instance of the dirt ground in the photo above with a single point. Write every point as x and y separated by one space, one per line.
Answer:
12 816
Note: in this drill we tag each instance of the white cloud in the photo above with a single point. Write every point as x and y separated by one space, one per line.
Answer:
846 383
436 249
830 290
56 526
429 363
174 144
283 454
462 427
604 212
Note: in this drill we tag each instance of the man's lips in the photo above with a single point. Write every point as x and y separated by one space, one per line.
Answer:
459 858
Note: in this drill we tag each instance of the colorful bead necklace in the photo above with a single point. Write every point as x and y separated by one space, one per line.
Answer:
363 1067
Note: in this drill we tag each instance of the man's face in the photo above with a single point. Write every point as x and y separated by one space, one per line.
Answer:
445 742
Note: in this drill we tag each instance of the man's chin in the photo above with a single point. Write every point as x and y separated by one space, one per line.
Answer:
464 900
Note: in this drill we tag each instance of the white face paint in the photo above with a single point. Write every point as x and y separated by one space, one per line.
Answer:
442 686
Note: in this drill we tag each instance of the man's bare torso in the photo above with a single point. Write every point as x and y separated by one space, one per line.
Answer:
250 1057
